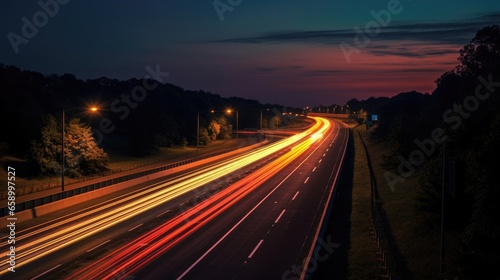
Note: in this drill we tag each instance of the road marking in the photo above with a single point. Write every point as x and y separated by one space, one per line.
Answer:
163 213
314 169
40 275
306 180
98 245
327 150
279 217
333 190
324 154
255 249
244 218
293 198
135 227
320 161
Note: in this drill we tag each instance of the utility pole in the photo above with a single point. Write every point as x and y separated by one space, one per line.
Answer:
261 119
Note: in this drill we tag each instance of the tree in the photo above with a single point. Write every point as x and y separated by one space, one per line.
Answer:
224 132
82 155
214 129
204 137
482 55
275 122
45 152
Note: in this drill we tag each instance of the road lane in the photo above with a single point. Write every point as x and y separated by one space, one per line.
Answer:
285 244
39 242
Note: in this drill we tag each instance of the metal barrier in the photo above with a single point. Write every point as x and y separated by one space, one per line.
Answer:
69 193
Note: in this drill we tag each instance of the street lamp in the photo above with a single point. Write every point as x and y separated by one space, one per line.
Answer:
92 109
229 111
198 126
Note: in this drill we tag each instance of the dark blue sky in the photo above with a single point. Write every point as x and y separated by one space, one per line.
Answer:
286 52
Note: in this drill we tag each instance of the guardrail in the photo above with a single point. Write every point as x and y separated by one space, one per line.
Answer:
390 266
101 184
33 188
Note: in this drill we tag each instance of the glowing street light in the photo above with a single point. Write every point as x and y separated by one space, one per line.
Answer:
198 125
92 109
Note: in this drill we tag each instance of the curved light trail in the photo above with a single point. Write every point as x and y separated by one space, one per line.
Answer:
134 255
57 235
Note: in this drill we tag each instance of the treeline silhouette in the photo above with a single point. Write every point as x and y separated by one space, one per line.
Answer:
461 118
161 117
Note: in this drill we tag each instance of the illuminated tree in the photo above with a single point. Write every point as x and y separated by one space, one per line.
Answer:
82 155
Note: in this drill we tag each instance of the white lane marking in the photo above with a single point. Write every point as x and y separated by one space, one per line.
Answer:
98 245
279 217
40 275
324 154
306 180
320 161
135 227
255 249
246 216
314 169
325 209
163 213
293 198
327 150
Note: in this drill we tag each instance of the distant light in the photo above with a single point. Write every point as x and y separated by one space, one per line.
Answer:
94 109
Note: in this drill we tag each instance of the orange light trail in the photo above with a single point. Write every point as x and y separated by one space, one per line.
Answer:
134 256
57 235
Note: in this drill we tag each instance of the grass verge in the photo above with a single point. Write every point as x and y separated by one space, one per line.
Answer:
361 257
414 233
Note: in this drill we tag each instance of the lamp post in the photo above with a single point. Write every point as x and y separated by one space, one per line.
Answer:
198 127
261 119
229 111
92 109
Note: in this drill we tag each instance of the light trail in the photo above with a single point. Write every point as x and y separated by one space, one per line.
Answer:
109 214
132 256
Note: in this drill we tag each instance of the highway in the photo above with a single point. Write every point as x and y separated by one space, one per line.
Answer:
41 246
261 227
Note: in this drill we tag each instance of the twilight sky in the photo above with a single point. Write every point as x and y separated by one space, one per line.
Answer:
294 53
